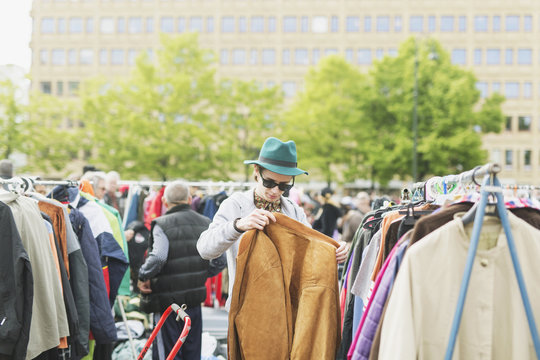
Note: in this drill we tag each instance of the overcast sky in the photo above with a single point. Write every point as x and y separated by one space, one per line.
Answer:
15 32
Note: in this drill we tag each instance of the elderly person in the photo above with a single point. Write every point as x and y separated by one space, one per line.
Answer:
97 179
174 272
275 172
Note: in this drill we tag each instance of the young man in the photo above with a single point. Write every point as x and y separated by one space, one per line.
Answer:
274 172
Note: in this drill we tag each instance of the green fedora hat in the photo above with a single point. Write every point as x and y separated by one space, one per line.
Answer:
279 157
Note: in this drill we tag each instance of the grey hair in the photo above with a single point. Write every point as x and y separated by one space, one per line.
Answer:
176 192
113 175
95 177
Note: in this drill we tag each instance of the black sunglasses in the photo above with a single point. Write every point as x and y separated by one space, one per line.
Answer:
270 184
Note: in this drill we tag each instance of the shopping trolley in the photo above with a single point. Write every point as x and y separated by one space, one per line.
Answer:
181 314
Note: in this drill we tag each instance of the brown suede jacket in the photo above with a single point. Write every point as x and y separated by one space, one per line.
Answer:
285 300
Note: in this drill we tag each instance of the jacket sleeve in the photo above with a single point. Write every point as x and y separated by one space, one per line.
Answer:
221 234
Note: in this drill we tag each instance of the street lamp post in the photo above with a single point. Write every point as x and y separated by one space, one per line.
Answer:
415 116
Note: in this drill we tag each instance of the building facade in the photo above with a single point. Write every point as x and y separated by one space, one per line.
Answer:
277 41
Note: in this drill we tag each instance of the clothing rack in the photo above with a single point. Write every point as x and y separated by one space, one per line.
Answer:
200 184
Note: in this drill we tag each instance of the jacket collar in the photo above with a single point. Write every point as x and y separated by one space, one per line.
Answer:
177 208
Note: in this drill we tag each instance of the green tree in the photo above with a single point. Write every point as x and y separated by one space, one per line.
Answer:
12 114
169 118
327 122
451 115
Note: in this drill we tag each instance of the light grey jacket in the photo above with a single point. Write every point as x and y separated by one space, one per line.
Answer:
221 236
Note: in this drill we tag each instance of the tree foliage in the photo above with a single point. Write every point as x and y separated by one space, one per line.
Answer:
12 115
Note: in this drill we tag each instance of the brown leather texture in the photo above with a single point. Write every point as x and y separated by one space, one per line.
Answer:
285 301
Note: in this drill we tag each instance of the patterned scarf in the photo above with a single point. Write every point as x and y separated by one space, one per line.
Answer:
260 203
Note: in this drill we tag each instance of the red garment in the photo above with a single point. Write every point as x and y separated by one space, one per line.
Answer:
155 208
213 285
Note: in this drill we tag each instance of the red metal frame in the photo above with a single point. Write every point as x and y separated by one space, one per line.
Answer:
181 314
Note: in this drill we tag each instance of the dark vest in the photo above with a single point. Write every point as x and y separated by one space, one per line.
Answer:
182 278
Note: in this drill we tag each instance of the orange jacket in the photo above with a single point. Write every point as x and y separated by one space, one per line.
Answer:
285 300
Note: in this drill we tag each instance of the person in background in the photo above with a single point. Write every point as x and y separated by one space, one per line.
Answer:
328 215
354 211
6 169
112 197
97 179
174 272
274 173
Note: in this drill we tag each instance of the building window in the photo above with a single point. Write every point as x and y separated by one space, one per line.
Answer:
196 24
512 23
149 25
496 22
47 26
289 88
43 56
447 23
227 24
268 56
511 90
86 56
527 159
103 57
286 57
210 24
330 51
106 25
89 25
493 56
432 25
304 24
73 87
253 56
271 24
59 88
181 25
72 57
135 25
224 57
462 23
352 24
527 90
392 52
334 24
496 87
527 23
349 55
75 25
481 23
257 24
398 23
508 157
482 87
45 87
383 23
379 54
364 56
496 156
319 24
132 56
524 56
477 56
459 56
508 123
315 56
120 25
289 24
509 56
301 57
61 23
239 56
167 24
524 123
416 23
117 56
242 24
58 57
367 23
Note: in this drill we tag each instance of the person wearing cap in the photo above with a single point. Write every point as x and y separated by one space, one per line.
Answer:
274 172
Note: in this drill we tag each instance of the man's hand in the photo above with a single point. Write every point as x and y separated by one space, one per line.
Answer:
258 219
129 234
144 286
342 251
